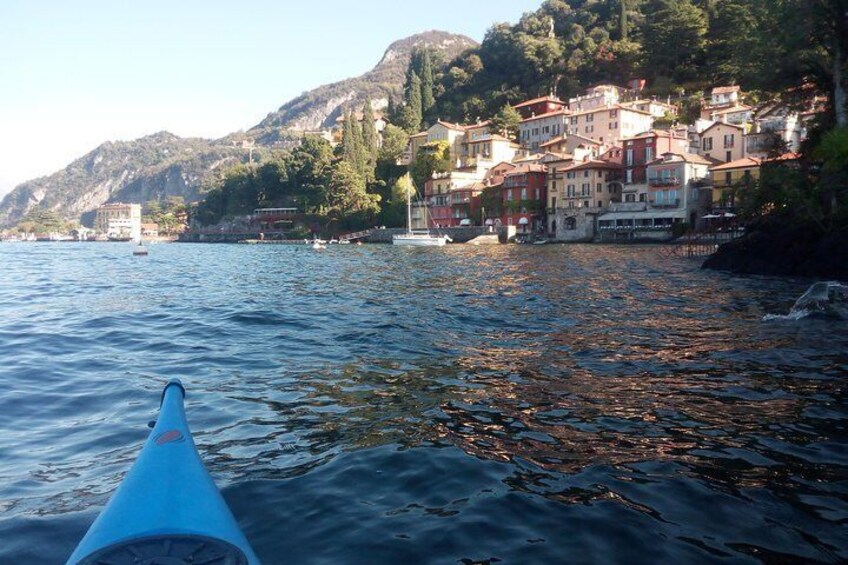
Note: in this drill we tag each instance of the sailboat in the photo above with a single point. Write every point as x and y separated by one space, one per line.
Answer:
417 238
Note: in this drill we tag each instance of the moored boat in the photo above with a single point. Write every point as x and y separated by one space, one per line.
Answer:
168 509
417 238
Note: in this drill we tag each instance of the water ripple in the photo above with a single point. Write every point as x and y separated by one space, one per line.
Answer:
511 404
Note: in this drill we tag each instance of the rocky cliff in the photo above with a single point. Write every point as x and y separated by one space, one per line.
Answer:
163 164
320 107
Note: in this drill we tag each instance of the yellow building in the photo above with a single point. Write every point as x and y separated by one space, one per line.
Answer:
728 177
609 125
723 142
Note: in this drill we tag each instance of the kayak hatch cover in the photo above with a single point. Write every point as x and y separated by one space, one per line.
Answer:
167 511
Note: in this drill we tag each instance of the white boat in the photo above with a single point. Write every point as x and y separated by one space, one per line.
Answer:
417 238
140 250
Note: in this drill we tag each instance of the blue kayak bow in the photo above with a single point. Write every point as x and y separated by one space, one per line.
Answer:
167 510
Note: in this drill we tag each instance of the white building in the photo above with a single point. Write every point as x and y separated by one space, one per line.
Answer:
119 221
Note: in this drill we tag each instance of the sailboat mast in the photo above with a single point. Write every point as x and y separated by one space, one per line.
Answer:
408 203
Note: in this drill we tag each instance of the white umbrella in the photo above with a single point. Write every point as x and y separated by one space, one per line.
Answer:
710 217
729 215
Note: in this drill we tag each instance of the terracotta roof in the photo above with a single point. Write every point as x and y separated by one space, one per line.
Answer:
584 138
560 112
722 124
686 158
480 125
450 125
745 163
488 137
537 100
654 133
529 168
554 141
734 109
592 164
726 89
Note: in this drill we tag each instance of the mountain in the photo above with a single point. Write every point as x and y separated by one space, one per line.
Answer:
319 108
149 168
164 164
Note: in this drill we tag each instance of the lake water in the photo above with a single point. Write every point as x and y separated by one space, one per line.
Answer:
508 404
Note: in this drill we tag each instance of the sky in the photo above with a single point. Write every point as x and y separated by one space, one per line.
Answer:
76 74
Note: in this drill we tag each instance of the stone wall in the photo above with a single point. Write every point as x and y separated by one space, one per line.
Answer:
575 225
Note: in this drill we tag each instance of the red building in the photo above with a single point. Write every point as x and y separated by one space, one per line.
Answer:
524 196
641 149
539 106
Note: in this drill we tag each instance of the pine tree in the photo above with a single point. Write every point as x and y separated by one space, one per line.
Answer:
428 100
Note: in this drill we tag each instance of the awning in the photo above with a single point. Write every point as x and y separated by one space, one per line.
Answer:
710 217
523 222
615 216
729 215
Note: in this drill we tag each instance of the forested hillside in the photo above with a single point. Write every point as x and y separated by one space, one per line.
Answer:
676 45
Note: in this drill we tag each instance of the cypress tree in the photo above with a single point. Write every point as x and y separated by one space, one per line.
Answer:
347 138
427 98
357 149
369 138
623 20
412 110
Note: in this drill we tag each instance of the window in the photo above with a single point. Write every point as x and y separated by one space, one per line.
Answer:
600 204
524 194
728 140
729 156
629 176
728 178
585 174
629 158
708 144
643 197
509 195
599 188
546 129
585 203
535 131
613 113
649 154
590 118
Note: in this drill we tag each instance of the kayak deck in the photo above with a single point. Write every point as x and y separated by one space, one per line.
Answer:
169 550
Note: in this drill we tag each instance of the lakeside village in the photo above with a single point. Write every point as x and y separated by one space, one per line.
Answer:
598 168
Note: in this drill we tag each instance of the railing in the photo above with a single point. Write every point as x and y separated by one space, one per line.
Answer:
666 203
664 182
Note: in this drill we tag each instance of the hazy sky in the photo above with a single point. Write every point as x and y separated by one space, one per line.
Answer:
74 74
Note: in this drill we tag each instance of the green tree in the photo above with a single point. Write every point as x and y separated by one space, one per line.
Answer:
411 115
433 157
427 98
506 122
369 139
674 39
347 194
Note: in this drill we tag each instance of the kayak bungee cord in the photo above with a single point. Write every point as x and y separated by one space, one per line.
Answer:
167 510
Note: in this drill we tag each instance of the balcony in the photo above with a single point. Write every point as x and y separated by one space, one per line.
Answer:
666 203
672 181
